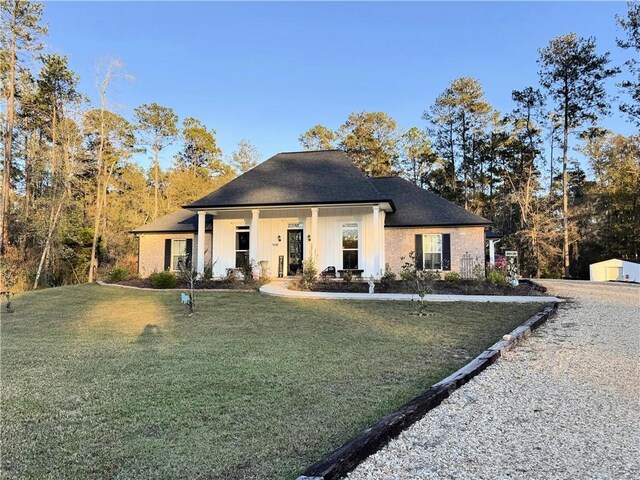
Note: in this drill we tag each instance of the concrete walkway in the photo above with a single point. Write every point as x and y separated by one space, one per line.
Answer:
564 405
279 289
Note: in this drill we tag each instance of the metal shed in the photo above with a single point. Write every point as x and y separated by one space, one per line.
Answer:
615 269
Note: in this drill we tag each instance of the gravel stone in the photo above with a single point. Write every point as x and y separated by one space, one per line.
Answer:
563 405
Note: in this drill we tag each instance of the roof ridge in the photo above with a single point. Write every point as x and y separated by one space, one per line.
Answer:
311 151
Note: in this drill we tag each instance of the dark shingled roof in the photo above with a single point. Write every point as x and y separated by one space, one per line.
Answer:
180 221
322 177
417 207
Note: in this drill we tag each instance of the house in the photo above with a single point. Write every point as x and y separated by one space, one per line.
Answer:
616 270
301 204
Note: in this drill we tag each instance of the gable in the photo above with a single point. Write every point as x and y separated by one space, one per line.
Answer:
416 207
322 177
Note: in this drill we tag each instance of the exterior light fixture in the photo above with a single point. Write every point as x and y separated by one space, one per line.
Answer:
309 237
279 238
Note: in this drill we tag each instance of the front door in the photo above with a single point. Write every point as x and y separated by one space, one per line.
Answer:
294 252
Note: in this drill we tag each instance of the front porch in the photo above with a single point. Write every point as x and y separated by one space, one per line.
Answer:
280 239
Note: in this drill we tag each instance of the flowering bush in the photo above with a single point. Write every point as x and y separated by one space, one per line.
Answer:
501 262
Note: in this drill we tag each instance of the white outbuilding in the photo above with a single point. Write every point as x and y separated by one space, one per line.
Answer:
615 270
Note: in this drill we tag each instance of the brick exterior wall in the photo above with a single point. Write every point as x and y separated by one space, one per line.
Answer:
151 253
399 242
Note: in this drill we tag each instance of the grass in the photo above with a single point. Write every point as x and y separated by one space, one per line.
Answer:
109 382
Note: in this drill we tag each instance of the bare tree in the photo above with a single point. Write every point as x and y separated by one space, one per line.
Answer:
114 137
71 147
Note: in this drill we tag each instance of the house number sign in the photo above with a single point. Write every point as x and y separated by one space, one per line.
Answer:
280 266
296 225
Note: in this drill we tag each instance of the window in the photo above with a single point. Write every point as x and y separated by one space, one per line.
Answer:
432 252
178 255
350 246
242 246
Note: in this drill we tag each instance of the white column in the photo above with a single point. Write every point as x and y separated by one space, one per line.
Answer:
314 231
383 247
492 252
202 217
376 240
213 258
253 236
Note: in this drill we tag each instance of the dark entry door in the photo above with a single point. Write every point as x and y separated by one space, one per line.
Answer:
294 251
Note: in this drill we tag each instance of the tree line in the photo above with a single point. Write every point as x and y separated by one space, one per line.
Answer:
517 168
72 187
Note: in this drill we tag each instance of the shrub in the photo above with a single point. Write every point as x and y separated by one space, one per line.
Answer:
388 275
208 270
232 275
163 280
247 269
347 277
479 272
119 274
387 278
496 277
452 277
408 269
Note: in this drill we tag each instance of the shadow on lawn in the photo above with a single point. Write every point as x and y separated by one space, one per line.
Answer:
139 320
151 335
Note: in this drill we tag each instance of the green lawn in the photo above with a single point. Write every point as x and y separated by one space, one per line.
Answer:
109 382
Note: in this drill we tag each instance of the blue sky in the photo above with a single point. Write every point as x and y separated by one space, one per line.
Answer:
269 71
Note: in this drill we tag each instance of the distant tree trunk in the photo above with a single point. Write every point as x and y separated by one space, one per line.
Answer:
101 177
96 227
453 159
54 216
99 186
8 143
551 162
156 172
464 161
28 172
565 182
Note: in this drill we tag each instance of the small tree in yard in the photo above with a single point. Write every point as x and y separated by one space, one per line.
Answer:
423 285
189 275
309 271
421 282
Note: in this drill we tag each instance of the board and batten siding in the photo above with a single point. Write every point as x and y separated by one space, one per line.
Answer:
394 242
274 223
400 242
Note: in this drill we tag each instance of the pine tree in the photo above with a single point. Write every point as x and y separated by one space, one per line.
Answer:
573 74
158 128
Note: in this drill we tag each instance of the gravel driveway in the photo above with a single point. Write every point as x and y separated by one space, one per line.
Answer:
563 405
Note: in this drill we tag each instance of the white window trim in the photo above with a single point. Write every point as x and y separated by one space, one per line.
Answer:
341 224
424 253
174 254
244 229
